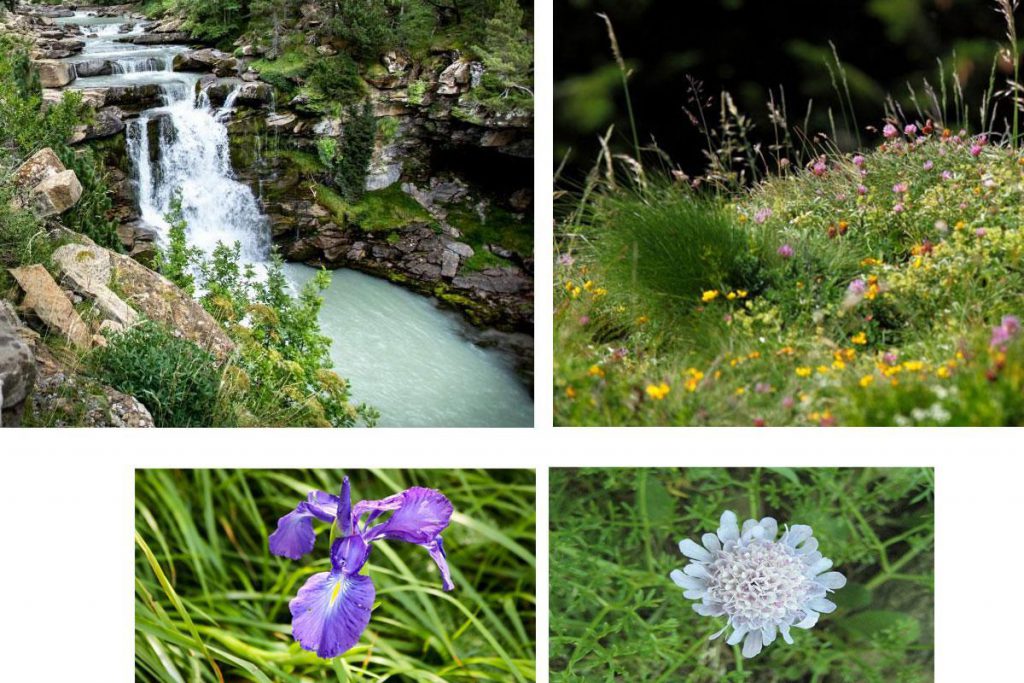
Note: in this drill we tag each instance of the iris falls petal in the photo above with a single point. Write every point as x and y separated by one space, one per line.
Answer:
331 611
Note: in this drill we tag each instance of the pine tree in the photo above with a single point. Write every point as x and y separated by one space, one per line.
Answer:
507 55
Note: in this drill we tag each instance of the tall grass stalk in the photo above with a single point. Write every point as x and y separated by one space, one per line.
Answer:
625 73
1007 9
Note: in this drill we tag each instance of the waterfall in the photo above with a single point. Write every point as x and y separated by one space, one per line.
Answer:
193 155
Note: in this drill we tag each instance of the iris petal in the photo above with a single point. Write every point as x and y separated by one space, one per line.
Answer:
331 611
436 550
348 555
294 535
418 515
345 508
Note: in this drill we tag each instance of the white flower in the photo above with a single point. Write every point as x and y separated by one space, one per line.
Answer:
763 585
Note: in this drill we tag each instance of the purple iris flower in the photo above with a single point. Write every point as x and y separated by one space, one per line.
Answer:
331 611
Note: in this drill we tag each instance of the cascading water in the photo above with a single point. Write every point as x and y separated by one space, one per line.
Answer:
404 356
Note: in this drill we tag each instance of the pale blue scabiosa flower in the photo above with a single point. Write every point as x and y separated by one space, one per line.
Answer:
763 585
331 611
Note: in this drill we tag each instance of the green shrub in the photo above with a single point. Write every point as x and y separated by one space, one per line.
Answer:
365 25
350 161
337 79
175 379
176 262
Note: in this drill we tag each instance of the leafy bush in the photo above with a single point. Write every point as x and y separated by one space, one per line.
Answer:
177 261
337 78
175 379
616 615
507 54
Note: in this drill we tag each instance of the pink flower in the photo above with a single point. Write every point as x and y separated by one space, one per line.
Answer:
788 402
584 320
785 251
763 388
819 168
1008 328
899 188
975 150
762 215
859 161
861 190
947 175
909 130
857 287
890 131
981 232
890 358
928 165
899 208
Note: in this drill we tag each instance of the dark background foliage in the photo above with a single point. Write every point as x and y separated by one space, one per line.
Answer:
748 47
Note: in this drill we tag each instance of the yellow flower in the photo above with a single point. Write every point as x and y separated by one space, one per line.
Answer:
740 391
803 372
709 295
569 285
642 320
913 365
870 262
595 371
859 338
658 391
576 292
600 291
730 296
943 372
753 355
838 364
867 380
822 369
741 293
588 285
570 392
960 225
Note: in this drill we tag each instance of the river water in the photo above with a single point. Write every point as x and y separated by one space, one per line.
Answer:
402 354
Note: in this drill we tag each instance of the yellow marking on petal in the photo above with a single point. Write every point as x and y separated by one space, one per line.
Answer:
334 593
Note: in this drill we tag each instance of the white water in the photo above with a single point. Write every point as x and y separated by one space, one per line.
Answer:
401 353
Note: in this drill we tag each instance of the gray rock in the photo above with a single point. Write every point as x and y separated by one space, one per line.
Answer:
93 67
17 375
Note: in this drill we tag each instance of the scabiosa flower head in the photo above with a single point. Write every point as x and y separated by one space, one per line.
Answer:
928 165
763 586
762 215
975 150
900 188
332 609
947 175
898 208
862 190
909 130
819 168
890 131
785 251
858 287
859 161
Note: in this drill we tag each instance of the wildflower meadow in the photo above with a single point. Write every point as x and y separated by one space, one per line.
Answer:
761 575
324 575
798 282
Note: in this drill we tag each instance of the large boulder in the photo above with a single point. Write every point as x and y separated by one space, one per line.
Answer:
254 95
220 63
45 302
158 38
56 194
40 165
94 67
157 298
454 79
54 74
107 123
87 270
17 373
51 188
